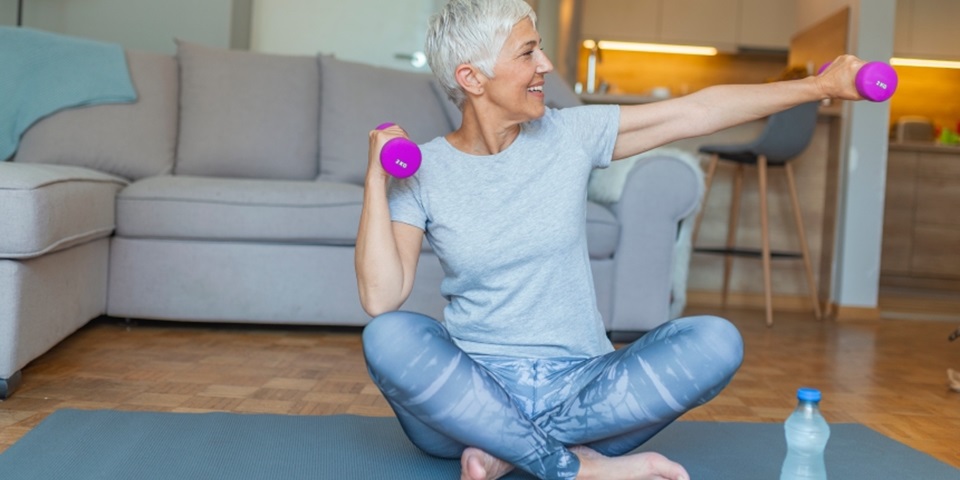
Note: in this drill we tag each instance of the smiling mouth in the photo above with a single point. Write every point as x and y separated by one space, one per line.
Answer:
537 89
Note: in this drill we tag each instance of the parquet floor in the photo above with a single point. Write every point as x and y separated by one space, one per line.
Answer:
888 375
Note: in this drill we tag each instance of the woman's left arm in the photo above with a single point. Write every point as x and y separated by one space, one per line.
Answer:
643 127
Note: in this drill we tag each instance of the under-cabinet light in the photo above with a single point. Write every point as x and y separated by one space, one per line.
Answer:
917 62
650 47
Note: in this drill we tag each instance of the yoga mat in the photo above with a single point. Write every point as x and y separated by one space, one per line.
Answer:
114 445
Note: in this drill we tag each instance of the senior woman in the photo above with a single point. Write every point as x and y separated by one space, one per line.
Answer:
520 373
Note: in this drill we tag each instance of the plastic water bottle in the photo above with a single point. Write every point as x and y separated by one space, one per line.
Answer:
807 434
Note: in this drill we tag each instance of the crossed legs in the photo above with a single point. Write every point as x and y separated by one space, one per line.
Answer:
528 412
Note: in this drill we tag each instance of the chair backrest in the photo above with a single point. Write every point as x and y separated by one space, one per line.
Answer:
787 133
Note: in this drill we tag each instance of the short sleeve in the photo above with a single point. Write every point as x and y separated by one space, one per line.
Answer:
405 204
595 127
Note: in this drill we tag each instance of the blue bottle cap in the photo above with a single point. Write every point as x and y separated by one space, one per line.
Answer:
808 394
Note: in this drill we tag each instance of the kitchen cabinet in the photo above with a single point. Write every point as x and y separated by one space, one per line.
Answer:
927 29
725 24
898 213
625 20
921 231
697 22
767 24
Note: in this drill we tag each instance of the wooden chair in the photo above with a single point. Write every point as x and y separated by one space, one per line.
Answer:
786 135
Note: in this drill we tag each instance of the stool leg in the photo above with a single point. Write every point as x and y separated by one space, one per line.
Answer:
733 221
795 200
765 235
711 169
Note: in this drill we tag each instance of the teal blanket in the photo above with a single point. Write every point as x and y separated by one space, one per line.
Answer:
42 73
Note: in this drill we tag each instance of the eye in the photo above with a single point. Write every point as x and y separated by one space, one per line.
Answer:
530 53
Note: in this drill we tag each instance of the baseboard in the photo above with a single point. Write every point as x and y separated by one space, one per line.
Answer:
841 313
790 303
785 303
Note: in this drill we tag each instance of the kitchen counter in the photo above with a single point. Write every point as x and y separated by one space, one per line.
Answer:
930 147
830 110
921 222
619 98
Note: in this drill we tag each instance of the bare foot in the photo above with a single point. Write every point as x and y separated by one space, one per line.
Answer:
638 466
475 464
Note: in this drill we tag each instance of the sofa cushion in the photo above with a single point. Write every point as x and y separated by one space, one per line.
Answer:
133 140
45 208
202 208
603 231
247 115
357 98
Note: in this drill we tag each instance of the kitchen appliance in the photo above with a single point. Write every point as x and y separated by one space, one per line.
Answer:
913 128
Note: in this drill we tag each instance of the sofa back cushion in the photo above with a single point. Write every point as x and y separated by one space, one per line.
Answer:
132 140
246 114
359 97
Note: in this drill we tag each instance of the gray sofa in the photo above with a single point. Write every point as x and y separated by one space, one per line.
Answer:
230 191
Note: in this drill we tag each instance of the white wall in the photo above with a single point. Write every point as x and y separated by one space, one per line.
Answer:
368 31
138 24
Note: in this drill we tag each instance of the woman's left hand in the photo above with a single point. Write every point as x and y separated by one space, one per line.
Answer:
839 79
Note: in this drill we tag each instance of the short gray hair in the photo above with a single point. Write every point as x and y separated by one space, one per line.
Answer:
470 32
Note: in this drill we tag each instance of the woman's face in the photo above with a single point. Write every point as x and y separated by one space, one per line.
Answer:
517 86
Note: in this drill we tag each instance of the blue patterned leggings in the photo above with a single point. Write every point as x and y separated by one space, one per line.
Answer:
528 411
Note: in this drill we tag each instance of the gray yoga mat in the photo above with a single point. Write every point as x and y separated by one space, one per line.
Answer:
114 445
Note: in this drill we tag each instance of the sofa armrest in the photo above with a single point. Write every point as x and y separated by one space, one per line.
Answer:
45 208
660 191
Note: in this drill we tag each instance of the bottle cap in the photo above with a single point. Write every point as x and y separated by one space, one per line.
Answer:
808 394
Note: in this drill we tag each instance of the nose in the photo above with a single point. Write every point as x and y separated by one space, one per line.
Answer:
544 65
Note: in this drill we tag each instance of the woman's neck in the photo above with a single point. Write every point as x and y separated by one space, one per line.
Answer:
480 134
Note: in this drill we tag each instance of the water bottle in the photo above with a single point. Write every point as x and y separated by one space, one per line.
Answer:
807 434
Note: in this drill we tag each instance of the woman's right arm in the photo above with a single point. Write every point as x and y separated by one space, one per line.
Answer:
387 252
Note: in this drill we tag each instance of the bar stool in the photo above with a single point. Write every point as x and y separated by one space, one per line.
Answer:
785 136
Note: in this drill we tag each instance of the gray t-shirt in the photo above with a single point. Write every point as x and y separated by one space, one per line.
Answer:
510 232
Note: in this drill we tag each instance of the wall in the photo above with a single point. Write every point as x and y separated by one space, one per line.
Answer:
142 24
8 13
930 92
369 31
638 73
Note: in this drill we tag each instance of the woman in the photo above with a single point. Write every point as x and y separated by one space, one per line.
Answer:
520 373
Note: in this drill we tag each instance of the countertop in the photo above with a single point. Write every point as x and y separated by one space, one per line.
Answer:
833 110
930 147
619 99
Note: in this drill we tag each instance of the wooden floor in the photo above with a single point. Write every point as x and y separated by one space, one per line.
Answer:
889 375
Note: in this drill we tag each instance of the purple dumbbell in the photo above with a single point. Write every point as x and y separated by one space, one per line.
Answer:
876 81
400 157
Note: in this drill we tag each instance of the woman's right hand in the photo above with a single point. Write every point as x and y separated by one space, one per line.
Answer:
386 252
379 138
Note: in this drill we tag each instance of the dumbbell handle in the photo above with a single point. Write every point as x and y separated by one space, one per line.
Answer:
876 81
399 157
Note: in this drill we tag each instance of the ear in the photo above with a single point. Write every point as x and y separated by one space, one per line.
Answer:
470 79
